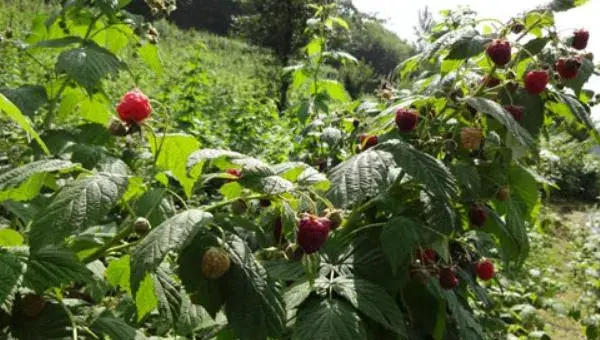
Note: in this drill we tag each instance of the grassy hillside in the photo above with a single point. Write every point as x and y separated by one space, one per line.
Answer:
226 86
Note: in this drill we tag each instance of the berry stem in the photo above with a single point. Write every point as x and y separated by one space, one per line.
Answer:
111 243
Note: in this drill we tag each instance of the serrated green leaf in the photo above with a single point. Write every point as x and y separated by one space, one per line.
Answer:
28 98
468 179
208 293
107 323
197 159
524 185
13 112
145 297
439 213
149 54
52 267
373 301
399 238
118 273
173 152
14 177
362 176
576 109
156 206
96 108
497 112
79 205
469 44
254 306
334 89
11 270
426 169
510 246
231 190
296 294
168 294
312 178
271 185
171 235
583 75
328 319
88 65
10 238
534 115
533 47
56 43
284 270
191 316
467 326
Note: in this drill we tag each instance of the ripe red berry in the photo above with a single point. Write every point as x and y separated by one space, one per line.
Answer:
478 214
490 81
134 107
503 193
313 232
485 270
406 120
516 111
448 279
536 81
499 52
367 141
235 172
428 256
580 39
567 68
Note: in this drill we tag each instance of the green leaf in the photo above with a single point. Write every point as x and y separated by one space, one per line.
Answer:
524 185
328 319
208 293
88 65
96 108
118 273
271 185
145 297
426 169
52 267
149 54
171 235
191 316
497 112
510 246
10 238
373 301
28 98
468 179
11 270
334 89
79 205
110 325
173 152
13 112
577 110
57 43
17 176
467 326
564 5
312 178
533 46
468 45
439 213
515 218
399 238
360 177
254 306
156 206
296 294
197 159
533 116
168 294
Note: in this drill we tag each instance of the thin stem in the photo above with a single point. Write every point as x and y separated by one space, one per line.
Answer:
50 116
70 316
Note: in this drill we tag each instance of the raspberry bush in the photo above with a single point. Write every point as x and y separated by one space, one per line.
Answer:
390 219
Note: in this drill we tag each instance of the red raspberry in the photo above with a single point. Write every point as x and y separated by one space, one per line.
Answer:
485 270
580 39
490 81
313 232
567 68
516 111
235 172
447 278
478 214
134 107
499 52
536 81
406 120
367 141
428 256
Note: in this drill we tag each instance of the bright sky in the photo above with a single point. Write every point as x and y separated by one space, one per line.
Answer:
402 17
